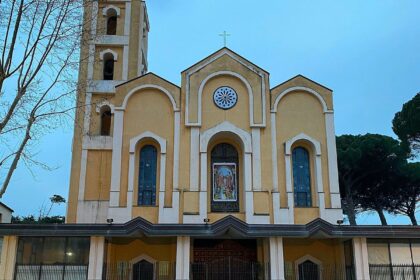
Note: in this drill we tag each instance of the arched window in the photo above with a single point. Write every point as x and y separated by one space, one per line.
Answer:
301 177
106 121
147 176
224 178
309 270
111 22
108 66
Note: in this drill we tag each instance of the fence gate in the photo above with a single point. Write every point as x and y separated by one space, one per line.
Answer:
225 268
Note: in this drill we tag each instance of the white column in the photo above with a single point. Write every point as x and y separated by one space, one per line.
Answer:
96 257
361 260
183 258
332 160
116 158
194 157
256 159
276 258
8 257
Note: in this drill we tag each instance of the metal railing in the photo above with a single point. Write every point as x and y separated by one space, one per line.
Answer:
394 271
229 268
125 270
51 272
318 272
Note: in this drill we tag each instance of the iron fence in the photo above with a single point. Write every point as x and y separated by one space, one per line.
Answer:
394 271
229 268
51 272
318 272
125 270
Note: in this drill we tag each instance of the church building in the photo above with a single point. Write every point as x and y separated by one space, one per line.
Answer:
224 176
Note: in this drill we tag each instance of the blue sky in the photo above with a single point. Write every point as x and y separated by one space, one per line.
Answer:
368 52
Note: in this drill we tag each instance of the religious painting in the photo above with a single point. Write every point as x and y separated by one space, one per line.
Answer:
225 187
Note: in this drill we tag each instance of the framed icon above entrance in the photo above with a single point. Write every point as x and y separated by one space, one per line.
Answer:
224 179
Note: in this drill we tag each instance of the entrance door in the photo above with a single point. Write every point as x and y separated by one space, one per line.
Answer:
218 259
308 271
143 270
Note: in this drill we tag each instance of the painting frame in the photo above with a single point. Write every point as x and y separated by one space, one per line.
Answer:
225 185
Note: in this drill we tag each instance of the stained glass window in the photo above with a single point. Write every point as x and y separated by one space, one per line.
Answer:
147 176
301 178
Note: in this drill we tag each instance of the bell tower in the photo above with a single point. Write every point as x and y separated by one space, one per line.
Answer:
114 49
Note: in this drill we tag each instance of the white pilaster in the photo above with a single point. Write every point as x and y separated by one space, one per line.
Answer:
274 152
177 126
183 258
94 18
276 258
248 172
256 159
361 260
116 157
96 257
276 207
194 157
162 176
82 178
169 215
291 210
320 186
8 257
289 189
127 18
125 64
332 160
203 181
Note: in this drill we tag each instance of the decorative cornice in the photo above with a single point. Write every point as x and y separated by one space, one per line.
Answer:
141 227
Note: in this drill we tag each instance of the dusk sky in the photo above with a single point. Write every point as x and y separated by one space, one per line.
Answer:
367 52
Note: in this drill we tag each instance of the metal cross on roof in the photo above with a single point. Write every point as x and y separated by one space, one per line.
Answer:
225 35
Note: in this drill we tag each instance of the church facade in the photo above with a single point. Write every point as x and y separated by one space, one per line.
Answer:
224 176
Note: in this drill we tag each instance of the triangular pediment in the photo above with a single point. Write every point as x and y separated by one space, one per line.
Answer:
301 80
147 78
220 53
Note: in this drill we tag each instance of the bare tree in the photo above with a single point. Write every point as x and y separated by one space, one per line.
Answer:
39 59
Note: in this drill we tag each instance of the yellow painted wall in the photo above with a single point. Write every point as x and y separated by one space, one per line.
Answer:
142 114
317 248
213 115
305 115
160 249
151 110
77 133
224 63
95 117
98 175
102 20
99 64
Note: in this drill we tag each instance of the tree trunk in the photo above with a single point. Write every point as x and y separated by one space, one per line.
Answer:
412 217
350 210
382 216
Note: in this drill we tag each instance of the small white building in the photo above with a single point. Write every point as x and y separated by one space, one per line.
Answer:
5 213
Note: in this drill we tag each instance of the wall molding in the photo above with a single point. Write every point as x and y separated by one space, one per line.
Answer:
305 89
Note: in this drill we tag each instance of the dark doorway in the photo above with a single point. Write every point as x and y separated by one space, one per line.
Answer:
308 271
230 259
143 270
